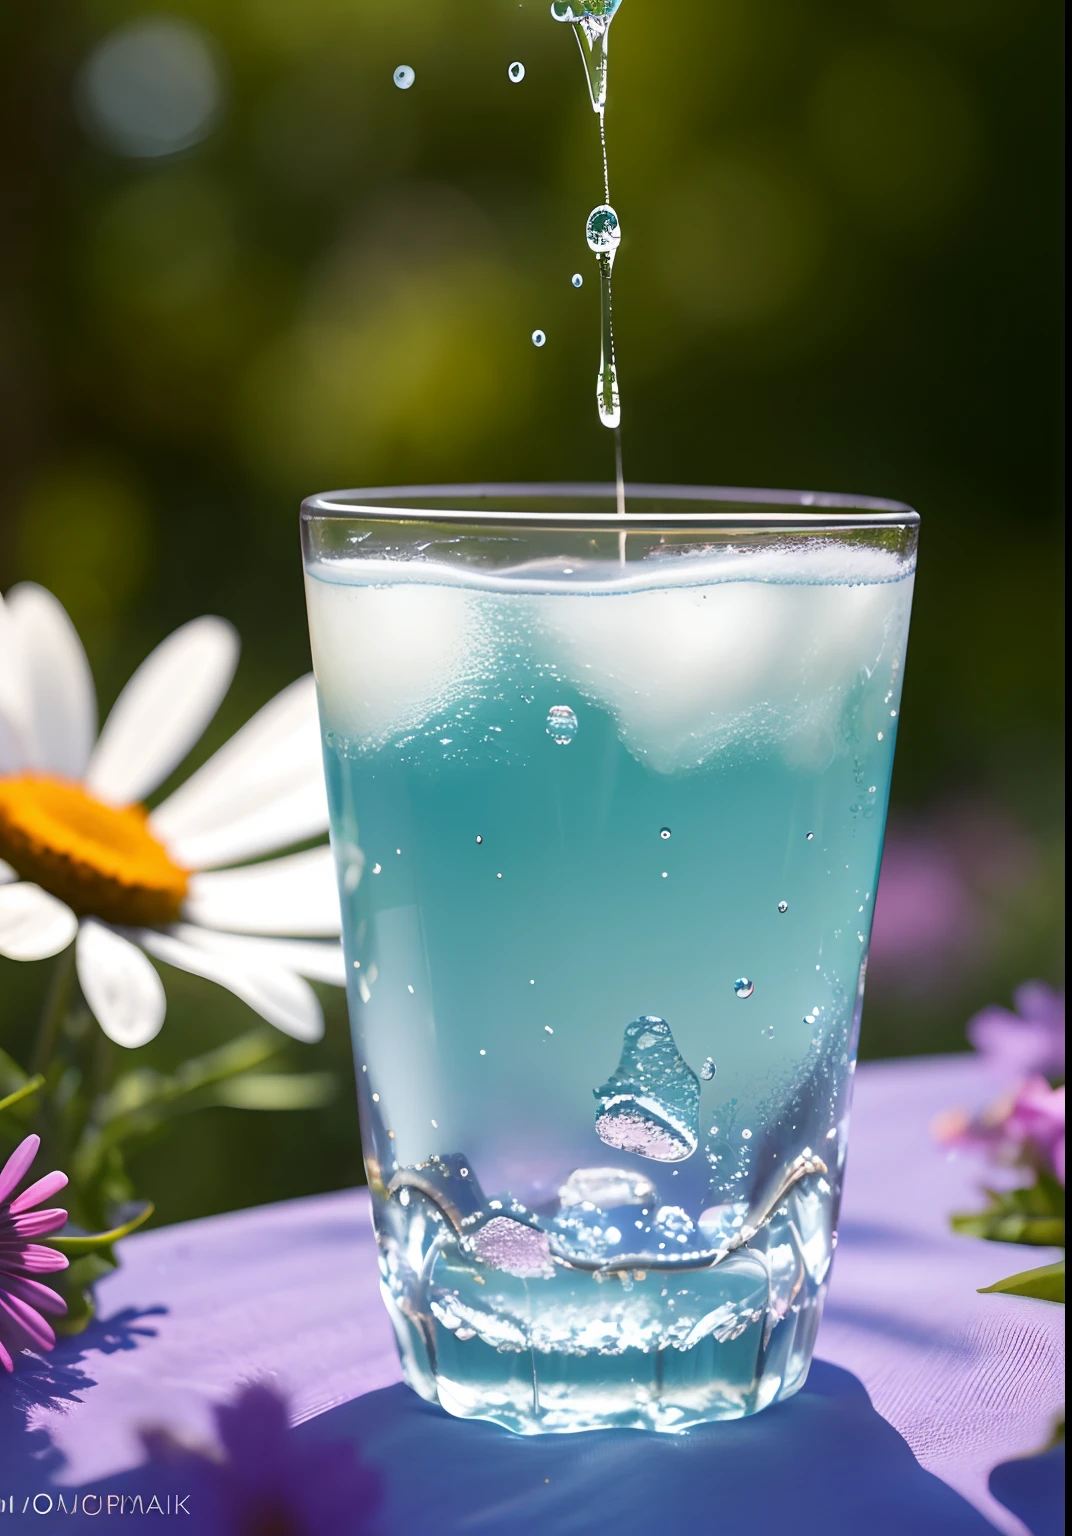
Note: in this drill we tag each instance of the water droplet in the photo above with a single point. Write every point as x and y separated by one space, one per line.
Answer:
708 1070
881 737
377 869
746 1135
577 280
783 906
767 1032
809 837
665 833
548 1030
650 1104
603 232
538 338
403 77
375 1098
743 987
479 838
516 71
483 1053
561 724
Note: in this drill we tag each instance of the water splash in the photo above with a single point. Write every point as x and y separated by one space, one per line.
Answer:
650 1104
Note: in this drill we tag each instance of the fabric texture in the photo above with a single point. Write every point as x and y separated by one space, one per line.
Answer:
920 1389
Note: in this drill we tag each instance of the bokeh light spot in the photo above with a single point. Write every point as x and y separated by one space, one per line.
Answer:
151 88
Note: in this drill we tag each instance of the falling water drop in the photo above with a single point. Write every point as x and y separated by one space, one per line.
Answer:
603 234
743 987
650 1104
577 280
664 833
809 836
403 77
562 724
538 338
516 71
708 1070
783 906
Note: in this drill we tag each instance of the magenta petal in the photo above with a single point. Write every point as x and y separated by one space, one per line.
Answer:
38 1333
17 1164
5 1359
35 1223
32 1292
51 1184
34 1258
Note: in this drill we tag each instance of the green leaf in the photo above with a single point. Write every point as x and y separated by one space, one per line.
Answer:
31 1085
1047 1283
100 1242
1032 1215
277 1090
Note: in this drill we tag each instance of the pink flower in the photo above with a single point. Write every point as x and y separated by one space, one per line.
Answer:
1032 1039
270 1482
1023 1128
1036 1122
22 1298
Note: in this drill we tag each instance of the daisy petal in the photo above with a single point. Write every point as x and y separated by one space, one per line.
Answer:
124 993
279 996
289 818
320 961
7 874
18 1317
13 700
33 924
37 1223
296 895
163 710
260 791
51 1184
61 703
17 1164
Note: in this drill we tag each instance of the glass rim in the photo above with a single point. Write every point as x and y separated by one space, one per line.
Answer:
744 507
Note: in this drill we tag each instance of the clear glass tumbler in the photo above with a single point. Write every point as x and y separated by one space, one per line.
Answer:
607 800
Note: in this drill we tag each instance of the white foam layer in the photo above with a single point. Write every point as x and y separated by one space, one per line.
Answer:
690 656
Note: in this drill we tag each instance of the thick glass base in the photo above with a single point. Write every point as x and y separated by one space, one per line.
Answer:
566 1350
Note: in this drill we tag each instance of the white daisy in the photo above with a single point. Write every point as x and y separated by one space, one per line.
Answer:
82 859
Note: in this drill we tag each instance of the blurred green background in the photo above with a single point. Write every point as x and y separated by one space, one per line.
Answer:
240 265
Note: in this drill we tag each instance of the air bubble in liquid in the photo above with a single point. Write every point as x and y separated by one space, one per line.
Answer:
516 71
538 338
708 1070
403 77
783 906
665 833
743 987
809 837
561 724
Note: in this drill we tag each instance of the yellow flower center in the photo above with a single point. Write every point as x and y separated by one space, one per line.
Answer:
102 860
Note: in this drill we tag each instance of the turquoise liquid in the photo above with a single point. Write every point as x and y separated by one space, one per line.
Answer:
608 860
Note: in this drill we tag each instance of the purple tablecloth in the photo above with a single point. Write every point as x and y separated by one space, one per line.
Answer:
291 1291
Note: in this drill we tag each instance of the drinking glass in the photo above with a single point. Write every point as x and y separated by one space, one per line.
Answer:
607 802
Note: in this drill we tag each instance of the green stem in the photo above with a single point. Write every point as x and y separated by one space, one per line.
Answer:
55 1009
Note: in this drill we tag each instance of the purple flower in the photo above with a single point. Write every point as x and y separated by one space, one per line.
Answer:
1036 1122
269 1482
22 1298
1024 1128
1029 1040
